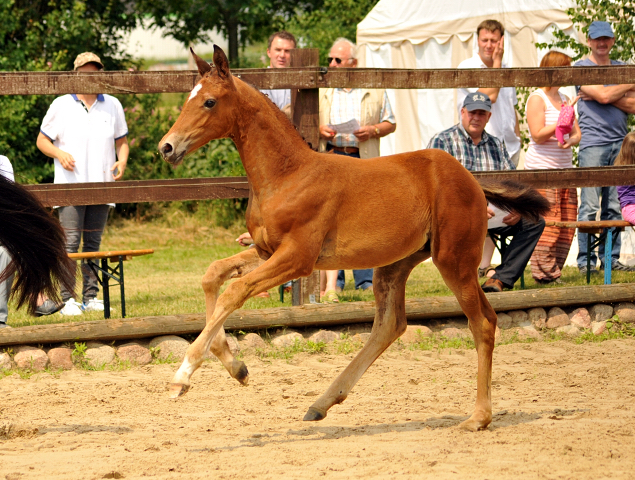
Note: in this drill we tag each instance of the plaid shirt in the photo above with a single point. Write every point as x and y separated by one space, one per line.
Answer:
489 154
347 106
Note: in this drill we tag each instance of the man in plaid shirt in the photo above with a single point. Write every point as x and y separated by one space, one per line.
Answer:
478 151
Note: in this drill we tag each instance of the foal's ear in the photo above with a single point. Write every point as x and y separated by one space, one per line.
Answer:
203 66
221 63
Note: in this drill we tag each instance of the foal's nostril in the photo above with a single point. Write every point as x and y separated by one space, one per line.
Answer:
166 148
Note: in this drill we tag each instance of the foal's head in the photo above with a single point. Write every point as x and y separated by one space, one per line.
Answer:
207 113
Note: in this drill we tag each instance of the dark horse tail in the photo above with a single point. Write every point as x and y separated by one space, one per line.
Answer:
508 195
35 241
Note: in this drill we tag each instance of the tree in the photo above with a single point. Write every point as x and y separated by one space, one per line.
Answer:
241 21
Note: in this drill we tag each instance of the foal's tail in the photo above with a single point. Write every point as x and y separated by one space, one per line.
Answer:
508 195
35 241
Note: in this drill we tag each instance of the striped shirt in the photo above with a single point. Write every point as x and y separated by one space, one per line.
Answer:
348 106
548 154
489 154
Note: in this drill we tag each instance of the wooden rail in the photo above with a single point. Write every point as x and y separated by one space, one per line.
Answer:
238 187
308 315
123 82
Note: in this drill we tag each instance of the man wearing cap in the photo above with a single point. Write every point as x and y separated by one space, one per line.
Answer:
490 37
603 111
478 151
86 134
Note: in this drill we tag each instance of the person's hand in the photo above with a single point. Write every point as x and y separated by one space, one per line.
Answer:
584 96
66 160
365 133
571 103
499 51
117 170
512 218
326 132
490 213
245 240
566 144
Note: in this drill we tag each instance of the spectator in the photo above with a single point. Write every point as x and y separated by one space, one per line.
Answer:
279 53
478 151
45 306
544 106
86 134
603 111
626 193
370 110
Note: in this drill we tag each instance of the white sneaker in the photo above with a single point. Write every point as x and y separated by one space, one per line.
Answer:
93 305
71 308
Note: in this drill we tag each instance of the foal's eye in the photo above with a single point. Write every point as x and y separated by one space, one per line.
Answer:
209 103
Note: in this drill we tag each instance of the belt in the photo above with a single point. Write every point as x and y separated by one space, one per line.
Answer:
343 149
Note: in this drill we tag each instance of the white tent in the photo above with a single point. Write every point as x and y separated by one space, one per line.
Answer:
433 34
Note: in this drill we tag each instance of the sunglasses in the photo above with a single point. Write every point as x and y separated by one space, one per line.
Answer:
337 60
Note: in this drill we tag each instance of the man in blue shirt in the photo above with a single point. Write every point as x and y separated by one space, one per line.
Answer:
603 112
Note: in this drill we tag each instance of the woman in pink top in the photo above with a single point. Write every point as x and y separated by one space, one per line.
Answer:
545 151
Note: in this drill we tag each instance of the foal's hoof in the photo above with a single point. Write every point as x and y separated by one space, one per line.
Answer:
178 389
474 424
313 415
241 373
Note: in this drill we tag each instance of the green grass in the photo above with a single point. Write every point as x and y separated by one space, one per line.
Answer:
169 281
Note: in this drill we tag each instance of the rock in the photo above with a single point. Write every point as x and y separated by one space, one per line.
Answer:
98 354
232 343
580 318
525 333
452 332
361 337
134 353
598 328
169 347
569 330
600 312
287 340
253 340
414 333
5 362
325 336
30 357
504 320
520 318
557 318
61 357
538 318
625 312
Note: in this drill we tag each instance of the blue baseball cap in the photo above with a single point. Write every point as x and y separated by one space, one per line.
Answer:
477 101
600 29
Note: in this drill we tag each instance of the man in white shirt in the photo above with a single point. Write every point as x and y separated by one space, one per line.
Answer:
504 123
279 53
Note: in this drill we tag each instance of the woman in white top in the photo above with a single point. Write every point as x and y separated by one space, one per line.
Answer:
543 109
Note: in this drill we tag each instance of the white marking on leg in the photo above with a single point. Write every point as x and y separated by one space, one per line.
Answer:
184 372
195 91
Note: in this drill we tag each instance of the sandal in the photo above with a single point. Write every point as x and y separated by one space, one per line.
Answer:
482 272
330 297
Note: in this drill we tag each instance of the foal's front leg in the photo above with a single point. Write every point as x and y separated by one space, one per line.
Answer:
281 267
217 274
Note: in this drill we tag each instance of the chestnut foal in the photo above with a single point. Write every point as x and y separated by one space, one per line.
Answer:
309 210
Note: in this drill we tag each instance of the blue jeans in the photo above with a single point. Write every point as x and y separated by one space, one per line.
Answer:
590 198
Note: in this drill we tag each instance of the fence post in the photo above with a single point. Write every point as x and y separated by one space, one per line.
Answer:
305 115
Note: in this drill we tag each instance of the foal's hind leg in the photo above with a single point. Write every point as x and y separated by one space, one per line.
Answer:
389 285
458 263
218 273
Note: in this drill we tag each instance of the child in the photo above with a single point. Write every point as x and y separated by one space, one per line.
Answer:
626 193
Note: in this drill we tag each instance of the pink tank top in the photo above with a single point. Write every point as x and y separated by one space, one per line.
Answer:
548 154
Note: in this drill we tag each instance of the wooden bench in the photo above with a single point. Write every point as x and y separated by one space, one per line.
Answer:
108 272
600 231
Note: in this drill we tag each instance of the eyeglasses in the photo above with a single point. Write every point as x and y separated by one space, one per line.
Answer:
337 60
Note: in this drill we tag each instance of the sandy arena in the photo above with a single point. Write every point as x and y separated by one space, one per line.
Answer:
562 411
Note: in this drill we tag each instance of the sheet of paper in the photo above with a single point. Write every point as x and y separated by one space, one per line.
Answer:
346 127
497 220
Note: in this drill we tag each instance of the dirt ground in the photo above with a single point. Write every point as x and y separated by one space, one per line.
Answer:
561 411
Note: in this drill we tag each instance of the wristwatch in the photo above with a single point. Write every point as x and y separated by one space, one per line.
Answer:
377 131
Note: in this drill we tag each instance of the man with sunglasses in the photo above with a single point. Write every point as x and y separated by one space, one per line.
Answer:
341 106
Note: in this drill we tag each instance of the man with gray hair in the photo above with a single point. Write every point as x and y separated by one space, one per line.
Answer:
352 120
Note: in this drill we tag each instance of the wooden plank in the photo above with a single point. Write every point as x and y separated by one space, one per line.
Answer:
134 191
308 315
590 224
124 82
111 254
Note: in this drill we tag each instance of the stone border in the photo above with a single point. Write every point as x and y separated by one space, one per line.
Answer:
525 324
